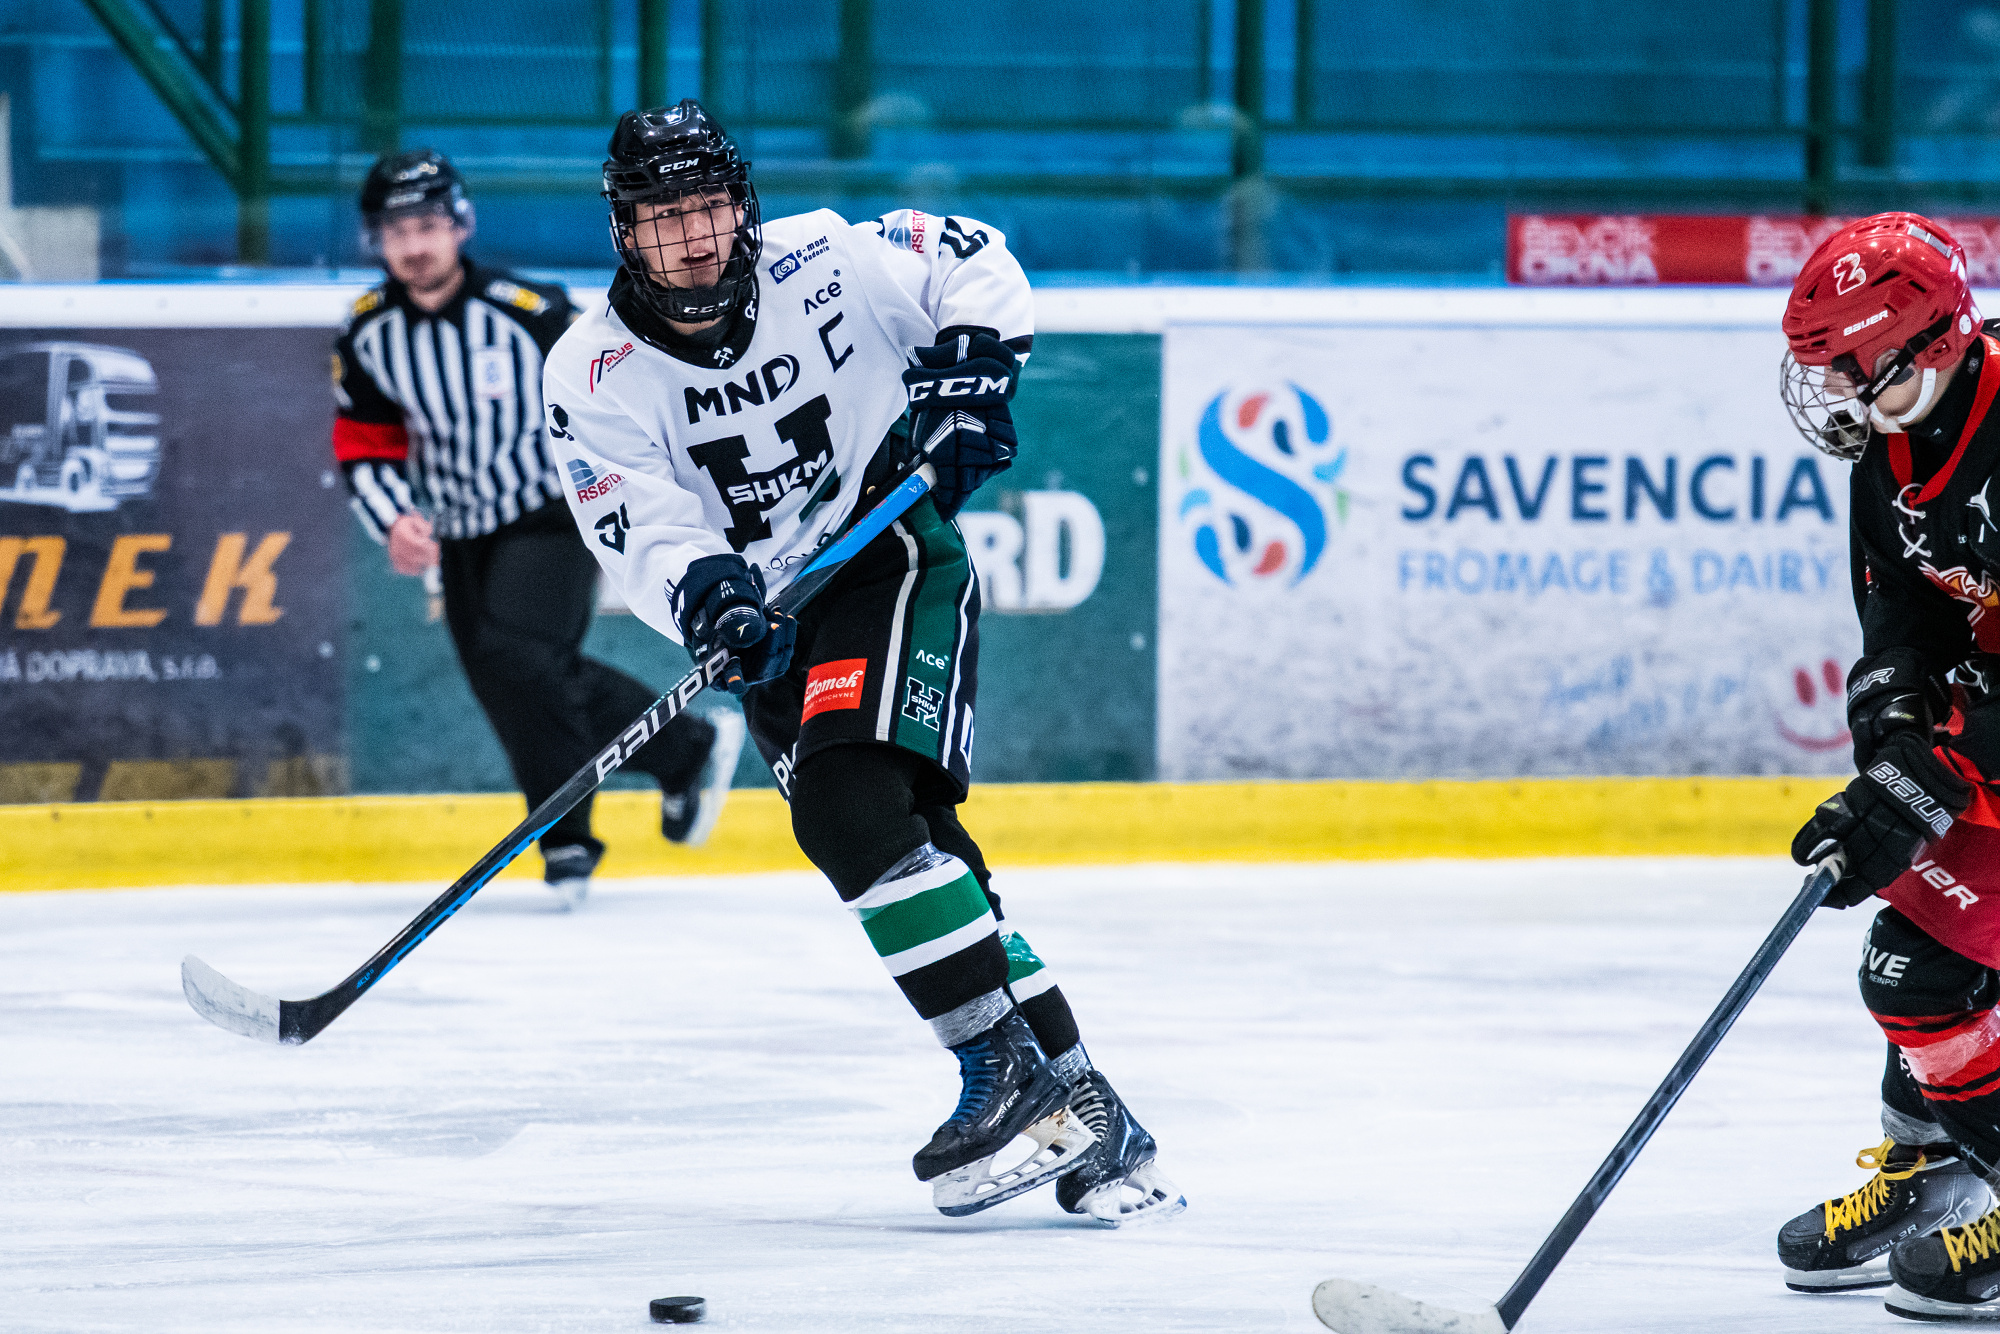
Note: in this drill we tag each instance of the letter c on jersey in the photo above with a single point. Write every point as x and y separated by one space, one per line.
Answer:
834 359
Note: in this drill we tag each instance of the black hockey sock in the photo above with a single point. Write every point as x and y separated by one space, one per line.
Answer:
1042 1004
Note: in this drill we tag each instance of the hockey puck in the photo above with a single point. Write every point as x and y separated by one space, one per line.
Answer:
678 1310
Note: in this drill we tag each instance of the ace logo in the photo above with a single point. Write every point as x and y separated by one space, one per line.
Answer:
924 704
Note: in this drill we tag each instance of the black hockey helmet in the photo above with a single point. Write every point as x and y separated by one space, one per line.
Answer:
668 154
402 185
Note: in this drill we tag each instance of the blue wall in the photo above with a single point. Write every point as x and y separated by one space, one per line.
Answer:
1100 146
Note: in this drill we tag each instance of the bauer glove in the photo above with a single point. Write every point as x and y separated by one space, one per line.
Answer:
719 604
958 411
1907 798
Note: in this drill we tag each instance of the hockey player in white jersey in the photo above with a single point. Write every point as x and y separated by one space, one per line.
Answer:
732 408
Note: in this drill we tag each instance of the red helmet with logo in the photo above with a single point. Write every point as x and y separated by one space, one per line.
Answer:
1881 299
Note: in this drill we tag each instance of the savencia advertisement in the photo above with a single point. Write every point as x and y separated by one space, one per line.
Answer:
1409 552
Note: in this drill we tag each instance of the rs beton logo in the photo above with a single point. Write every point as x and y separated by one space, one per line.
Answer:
1261 485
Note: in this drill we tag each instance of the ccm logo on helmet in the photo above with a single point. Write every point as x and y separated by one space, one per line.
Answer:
1848 274
1876 318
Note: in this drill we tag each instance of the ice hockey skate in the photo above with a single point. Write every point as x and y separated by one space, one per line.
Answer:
1844 1244
1009 1090
688 815
1950 1276
1117 1182
566 870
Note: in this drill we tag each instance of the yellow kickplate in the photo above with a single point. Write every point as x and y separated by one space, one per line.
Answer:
108 844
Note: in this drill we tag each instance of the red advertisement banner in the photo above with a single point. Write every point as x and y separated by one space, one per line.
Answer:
1763 250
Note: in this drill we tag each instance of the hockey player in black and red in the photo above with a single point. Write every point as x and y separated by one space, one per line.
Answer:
742 397
1889 366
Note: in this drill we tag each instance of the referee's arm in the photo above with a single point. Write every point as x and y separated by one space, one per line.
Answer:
370 443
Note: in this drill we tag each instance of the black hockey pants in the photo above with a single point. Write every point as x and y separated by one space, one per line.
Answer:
1938 1009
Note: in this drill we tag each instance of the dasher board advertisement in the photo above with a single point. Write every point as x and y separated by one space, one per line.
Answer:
172 565
1397 550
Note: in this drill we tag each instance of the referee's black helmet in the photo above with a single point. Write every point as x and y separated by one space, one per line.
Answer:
402 185
666 154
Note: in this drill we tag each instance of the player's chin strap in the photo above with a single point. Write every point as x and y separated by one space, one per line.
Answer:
1887 423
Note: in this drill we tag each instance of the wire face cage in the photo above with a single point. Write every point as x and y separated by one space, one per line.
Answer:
1823 405
692 255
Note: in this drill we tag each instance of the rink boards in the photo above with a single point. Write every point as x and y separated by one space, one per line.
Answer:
99 845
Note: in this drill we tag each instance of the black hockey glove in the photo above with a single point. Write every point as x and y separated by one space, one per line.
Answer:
958 411
1906 798
1887 693
719 603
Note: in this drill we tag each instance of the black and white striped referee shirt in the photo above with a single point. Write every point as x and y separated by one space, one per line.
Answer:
442 412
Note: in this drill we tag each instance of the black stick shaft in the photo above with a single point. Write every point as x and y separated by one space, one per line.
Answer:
299 1021
1817 886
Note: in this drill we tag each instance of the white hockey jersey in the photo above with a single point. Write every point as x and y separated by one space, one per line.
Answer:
763 452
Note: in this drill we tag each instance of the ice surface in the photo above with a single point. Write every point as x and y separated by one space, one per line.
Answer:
1399 1074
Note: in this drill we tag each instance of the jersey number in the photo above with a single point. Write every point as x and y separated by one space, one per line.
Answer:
751 496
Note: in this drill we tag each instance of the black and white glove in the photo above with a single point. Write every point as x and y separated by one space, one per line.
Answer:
1890 692
958 411
1906 798
719 604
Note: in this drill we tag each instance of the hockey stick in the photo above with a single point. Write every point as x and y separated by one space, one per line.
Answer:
241 1010
1359 1308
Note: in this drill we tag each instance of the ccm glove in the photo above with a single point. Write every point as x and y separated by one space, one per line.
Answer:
1887 693
719 604
958 411
1906 798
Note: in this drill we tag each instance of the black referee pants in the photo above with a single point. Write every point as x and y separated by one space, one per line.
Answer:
518 602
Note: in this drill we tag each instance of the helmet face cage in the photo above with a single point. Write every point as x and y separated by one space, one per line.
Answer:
692 248
1834 420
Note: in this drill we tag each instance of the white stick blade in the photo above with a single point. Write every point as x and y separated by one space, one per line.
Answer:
227 1005
1359 1308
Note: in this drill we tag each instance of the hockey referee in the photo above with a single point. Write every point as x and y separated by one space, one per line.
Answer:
438 377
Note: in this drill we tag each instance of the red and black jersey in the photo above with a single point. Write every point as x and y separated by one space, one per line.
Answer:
442 411
1926 546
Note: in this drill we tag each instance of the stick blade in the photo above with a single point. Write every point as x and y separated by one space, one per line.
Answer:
228 1005
1360 1308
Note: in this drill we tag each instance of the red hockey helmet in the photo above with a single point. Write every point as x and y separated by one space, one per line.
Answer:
1881 299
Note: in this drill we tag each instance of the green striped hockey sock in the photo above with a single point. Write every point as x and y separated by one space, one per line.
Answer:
927 915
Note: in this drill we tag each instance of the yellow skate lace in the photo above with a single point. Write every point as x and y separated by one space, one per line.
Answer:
1858 1207
1976 1241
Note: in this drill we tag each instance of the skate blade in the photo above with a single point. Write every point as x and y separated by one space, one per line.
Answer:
1359 1308
570 893
1060 1141
1872 1275
1159 1199
1901 1301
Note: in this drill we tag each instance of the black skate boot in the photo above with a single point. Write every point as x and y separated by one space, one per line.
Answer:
1845 1243
566 871
1121 1158
1009 1090
1951 1276
688 814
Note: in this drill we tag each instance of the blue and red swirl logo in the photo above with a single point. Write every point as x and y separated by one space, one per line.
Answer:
1261 486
